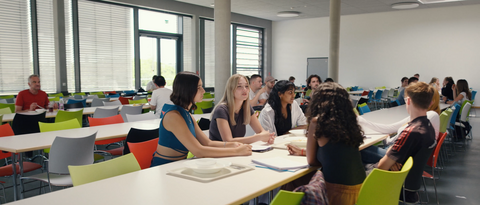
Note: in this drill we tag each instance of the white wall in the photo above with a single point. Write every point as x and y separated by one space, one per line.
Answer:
378 49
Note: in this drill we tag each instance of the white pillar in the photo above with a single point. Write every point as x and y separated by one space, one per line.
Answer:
334 39
222 16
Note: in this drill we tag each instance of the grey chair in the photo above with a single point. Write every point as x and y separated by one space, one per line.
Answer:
92 96
140 117
66 151
11 100
78 97
98 102
4 101
133 110
105 112
116 102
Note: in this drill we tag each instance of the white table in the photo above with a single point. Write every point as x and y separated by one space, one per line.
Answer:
358 92
86 111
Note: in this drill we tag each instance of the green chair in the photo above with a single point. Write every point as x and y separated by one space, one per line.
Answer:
11 106
96 93
81 93
68 115
7 96
141 101
1 119
190 155
55 99
444 119
383 186
207 95
287 198
103 170
204 105
55 95
64 125
100 95
5 110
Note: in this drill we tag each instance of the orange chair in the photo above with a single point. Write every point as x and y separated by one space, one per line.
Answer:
6 130
106 121
110 92
432 162
143 151
124 100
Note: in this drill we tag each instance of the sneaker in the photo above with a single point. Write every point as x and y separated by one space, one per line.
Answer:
410 197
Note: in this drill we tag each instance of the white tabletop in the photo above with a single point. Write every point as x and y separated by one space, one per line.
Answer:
86 111
355 92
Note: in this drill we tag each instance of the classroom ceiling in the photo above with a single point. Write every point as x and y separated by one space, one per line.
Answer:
268 9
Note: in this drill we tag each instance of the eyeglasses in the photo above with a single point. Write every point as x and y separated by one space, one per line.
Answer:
406 99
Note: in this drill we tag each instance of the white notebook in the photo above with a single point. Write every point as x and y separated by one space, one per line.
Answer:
280 163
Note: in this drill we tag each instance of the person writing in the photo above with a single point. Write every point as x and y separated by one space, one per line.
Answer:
233 113
32 98
333 141
282 113
179 132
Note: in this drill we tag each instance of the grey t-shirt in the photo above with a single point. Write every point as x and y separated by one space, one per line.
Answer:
221 112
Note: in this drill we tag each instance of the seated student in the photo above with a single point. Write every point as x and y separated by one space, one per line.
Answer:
282 112
329 80
447 90
435 83
179 132
233 113
416 140
313 82
160 95
401 95
373 154
333 141
461 92
404 82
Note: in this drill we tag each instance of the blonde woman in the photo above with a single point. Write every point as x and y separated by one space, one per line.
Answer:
233 113
435 83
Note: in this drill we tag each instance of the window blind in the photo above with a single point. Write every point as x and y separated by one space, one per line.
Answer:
248 50
209 54
16 61
106 46
46 45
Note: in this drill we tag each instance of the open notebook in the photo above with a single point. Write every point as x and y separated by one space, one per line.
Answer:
280 163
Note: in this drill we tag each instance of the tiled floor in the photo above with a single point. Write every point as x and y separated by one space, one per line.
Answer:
459 182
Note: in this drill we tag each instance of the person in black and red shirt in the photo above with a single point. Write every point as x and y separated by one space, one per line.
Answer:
416 140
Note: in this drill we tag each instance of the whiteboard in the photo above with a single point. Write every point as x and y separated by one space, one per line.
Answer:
318 66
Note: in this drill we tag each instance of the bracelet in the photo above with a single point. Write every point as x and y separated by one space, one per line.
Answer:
224 144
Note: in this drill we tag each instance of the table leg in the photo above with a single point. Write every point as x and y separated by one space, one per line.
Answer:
20 164
14 178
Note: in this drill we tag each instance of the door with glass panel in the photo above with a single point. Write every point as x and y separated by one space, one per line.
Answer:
158 56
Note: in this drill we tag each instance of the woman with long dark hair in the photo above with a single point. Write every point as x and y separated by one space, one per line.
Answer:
282 113
333 140
179 132
461 92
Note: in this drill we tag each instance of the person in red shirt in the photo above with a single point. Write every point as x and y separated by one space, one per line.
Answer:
32 98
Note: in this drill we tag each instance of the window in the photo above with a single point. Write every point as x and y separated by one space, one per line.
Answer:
208 53
46 45
16 61
106 46
69 46
248 50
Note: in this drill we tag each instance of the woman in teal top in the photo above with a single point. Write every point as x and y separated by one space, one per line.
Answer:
179 132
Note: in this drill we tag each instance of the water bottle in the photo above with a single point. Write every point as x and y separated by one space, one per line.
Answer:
60 104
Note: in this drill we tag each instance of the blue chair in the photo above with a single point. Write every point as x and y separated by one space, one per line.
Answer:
73 101
378 98
113 96
363 108
394 103
474 92
451 124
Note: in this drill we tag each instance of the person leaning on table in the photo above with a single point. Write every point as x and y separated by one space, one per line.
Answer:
282 113
179 132
333 140
461 92
233 113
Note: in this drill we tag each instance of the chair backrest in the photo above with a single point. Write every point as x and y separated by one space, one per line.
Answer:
92 96
465 112
383 186
65 125
112 103
432 161
68 115
207 95
378 94
80 93
363 108
72 101
55 95
105 121
113 95
454 114
444 117
96 93
140 117
124 100
11 106
391 92
133 110
26 123
79 97
94 172
73 106
67 151
98 102
105 112
394 103
5 130
143 151
474 92
4 101
385 94
110 92
5 110
365 92
370 94
287 197
141 101
138 135
7 96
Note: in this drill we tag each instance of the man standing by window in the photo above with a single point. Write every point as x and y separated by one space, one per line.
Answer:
30 99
